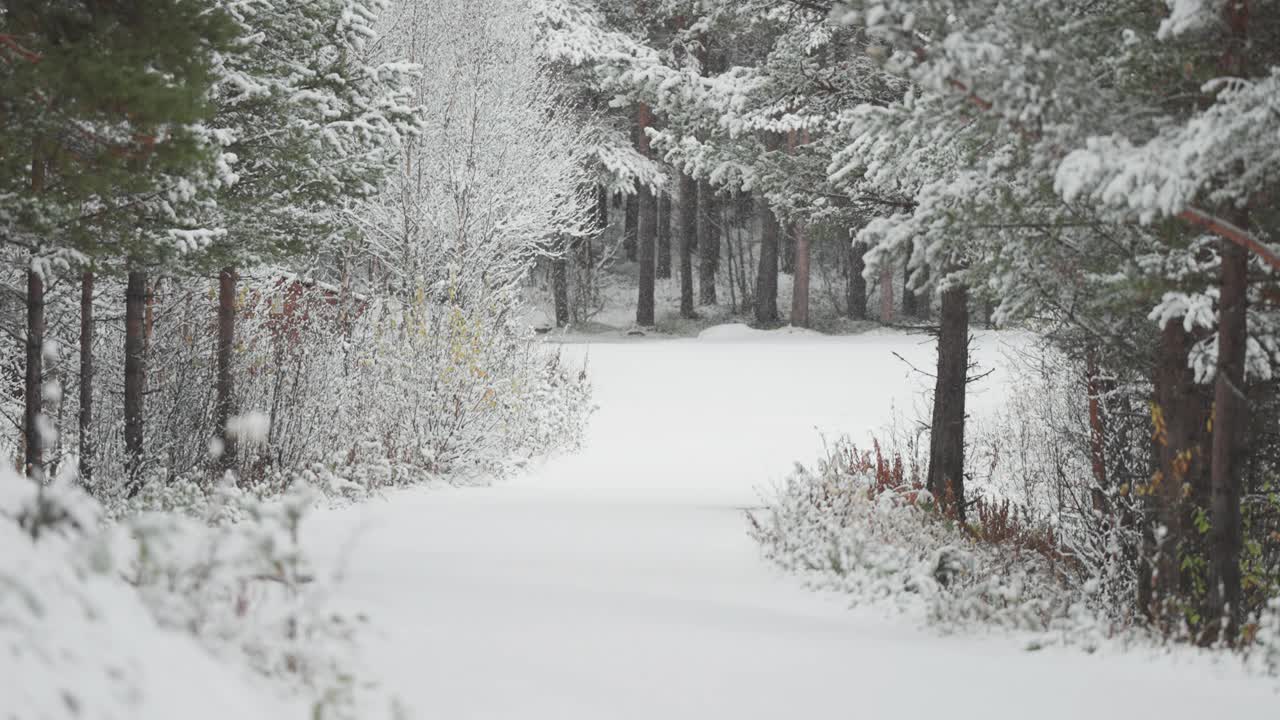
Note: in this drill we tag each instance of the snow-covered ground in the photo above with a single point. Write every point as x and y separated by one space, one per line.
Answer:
619 582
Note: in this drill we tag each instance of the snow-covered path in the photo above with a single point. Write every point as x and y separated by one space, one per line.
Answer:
620 583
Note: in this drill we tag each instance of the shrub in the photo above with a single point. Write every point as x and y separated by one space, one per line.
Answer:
84 605
865 525
343 395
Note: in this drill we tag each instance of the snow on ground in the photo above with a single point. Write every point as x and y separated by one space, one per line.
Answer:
619 582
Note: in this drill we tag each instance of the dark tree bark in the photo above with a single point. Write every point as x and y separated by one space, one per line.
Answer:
708 243
800 287
687 238
225 405
1225 610
946 439
1179 477
664 236
602 208
86 377
886 294
645 238
134 373
1230 419
560 288
856 284
33 395
647 227
767 274
630 221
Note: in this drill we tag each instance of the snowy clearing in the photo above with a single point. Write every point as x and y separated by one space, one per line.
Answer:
619 582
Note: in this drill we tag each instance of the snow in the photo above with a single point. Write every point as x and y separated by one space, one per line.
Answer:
77 641
620 582
738 331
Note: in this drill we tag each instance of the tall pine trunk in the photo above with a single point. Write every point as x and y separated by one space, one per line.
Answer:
946 439
646 228
708 244
1231 407
1179 479
134 374
796 257
855 283
886 294
560 287
664 236
225 406
767 272
800 286
1230 416
33 390
630 220
645 239
688 237
86 377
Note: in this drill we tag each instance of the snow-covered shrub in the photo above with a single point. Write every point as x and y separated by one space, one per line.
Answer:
340 393
863 525
238 580
406 392
85 606
1036 452
474 387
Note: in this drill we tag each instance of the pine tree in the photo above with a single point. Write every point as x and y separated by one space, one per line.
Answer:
104 104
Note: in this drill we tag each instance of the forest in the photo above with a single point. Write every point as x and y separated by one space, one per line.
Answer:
679 358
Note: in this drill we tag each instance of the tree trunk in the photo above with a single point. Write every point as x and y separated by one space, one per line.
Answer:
647 227
645 238
225 407
1230 418
33 395
664 236
800 287
708 244
1231 407
946 438
560 288
688 237
86 377
630 219
856 284
1179 478
134 374
886 294
767 275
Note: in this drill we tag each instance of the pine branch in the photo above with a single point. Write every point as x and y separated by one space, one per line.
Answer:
1192 214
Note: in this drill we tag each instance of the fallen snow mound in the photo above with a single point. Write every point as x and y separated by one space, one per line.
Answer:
738 331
